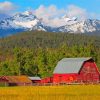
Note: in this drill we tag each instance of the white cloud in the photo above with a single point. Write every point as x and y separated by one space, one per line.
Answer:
51 14
75 11
6 7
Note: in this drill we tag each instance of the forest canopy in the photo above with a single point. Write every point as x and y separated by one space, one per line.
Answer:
37 53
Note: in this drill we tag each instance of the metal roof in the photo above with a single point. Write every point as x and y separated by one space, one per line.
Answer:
70 65
18 79
34 78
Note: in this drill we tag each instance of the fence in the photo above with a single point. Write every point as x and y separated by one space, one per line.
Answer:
50 84
62 84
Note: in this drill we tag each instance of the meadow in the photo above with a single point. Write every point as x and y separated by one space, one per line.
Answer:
69 92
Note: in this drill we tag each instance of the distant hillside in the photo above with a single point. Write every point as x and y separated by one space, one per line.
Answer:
47 39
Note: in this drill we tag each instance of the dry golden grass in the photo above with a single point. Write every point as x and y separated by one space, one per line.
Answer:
69 92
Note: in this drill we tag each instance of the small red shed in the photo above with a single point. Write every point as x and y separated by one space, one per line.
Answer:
16 80
3 81
47 80
35 79
76 70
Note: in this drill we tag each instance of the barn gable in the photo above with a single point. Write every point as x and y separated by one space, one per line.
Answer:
69 65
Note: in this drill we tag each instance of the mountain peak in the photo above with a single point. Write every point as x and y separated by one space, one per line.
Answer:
67 18
28 21
27 13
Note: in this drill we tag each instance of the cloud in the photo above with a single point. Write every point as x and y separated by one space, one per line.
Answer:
6 8
81 13
75 11
50 11
51 15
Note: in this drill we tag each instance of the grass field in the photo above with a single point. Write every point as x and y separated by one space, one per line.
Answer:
69 92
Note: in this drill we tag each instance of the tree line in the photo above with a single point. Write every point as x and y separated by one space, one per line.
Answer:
37 53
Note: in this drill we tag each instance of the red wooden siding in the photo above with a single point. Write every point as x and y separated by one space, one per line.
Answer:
63 78
88 73
47 80
3 79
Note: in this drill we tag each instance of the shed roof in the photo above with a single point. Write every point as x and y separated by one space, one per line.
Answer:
34 78
18 79
70 65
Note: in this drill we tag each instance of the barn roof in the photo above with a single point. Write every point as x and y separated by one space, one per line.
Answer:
18 79
70 65
34 78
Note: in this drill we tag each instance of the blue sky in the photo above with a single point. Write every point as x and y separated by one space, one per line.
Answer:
91 7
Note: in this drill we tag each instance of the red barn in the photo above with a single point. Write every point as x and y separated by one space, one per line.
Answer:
76 70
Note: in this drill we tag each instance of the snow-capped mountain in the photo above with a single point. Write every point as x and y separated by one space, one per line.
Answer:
85 26
20 22
27 21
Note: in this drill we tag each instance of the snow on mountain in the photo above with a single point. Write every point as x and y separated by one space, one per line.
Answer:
84 26
20 21
27 21
67 19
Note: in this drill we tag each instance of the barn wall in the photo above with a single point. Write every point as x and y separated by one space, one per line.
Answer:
20 84
47 80
64 78
89 72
